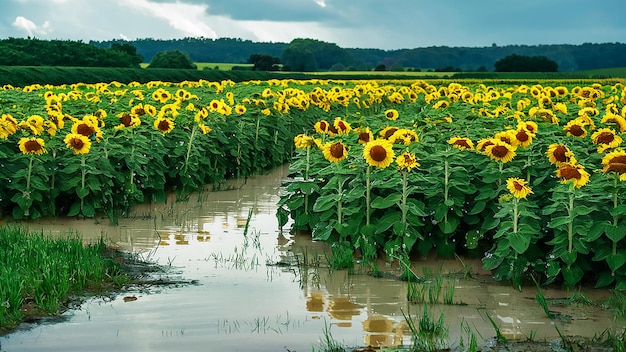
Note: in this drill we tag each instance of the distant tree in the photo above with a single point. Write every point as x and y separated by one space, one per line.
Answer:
380 67
298 59
314 54
172 59
264 62
522 63
396 68
338 67
135 59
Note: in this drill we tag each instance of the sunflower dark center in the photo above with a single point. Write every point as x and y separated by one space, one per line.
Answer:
559 154
390 115
77 143
32 146
463 143
378 153
605 138
499 151
620 168
85 129
164 125
364 137
126 120
522 136
336 150
390 132
517 186
569 172
577 130
342 126
140 112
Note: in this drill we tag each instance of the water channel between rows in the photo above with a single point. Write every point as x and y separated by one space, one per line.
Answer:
240 302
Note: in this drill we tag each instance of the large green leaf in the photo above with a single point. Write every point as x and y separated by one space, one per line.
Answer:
519 242
325 202
386 202
616 261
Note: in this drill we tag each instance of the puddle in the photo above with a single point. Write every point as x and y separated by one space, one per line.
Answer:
243 301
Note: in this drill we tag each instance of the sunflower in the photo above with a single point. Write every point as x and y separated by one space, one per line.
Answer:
164 124
560 154
266 112
88 127
335 152
341 126
606 138
483 143
407 161
403 135
616 119
441 104
524 137
78 143
507 137
365 136
461 143
392 114
32 145
34 123
302 141
378 153
204 128
518 187
240 109
500 151
573 172
615 161
321 126
387 132
529 126
139 110
576 128
161 95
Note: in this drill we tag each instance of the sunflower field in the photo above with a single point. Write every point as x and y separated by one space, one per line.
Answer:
530 176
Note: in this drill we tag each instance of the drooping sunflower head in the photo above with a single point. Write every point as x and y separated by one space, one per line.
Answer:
335 152
573 173
518 187
407 161
138 110
77 143
341 126
576 128
302 141
615 161
560 154
461 143
387 132
32 146
483 143
321 126
365 136
404 136
164 124
615 119
606 138
392 114
378 153
500 151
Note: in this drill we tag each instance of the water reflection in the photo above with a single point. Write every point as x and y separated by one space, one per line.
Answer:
229 242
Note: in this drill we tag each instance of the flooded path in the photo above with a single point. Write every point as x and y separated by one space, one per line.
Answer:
228 243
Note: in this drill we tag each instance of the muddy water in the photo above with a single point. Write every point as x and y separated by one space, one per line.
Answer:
242 301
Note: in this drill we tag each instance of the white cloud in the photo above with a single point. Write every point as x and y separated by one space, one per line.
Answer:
29 26
322 3
187 18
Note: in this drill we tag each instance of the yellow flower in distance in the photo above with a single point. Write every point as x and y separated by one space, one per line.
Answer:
407 161
518 187
378 153
392 114
78 143
335 152
32 146
573 172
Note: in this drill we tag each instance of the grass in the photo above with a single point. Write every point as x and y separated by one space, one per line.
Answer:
40 276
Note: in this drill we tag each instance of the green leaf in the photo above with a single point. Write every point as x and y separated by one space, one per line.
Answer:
558 221
582 210
619 210
416 207
569 257
605 279
477 208
614 233
489 224
572 275
616 261
326 202
384 203
491 262
82 192
88 210
449 226
519 242
449 202
386 221
322 231
74 209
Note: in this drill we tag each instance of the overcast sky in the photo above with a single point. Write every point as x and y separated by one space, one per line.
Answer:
383 24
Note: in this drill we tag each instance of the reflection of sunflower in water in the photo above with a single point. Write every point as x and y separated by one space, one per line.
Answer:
32 145
560 154
335 152
518 187
573 172
78 143
615 161
407 161
461 143
392 114
606 138
164 124
378 153
576 128
500 151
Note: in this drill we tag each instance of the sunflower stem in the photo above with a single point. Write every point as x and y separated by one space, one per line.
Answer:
339 205
258 122
83 174
515 214
193 132
306 179
30 170
570 224
446 180
367 195
615 203
404 198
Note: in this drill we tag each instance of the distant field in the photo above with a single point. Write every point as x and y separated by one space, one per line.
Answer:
202 65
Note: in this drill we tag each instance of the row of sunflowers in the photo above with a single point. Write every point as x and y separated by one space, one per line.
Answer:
529 177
